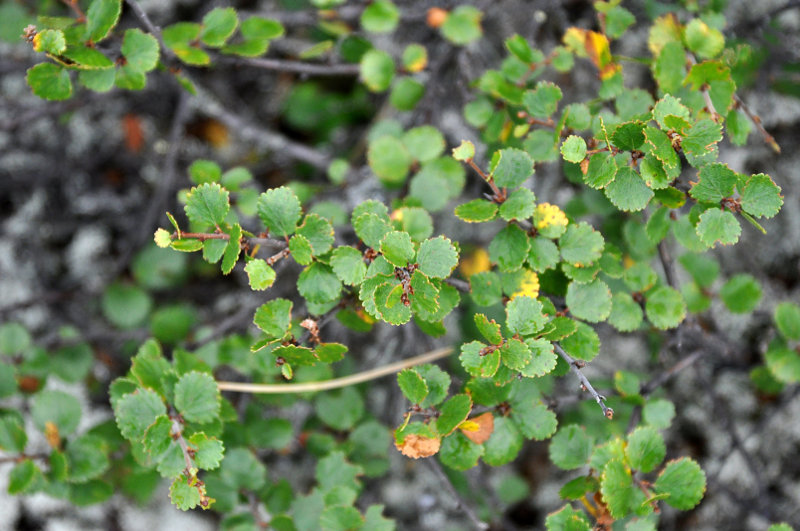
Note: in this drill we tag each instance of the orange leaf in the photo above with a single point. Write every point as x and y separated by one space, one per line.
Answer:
485 427
52 435
436 17
417 446
595 46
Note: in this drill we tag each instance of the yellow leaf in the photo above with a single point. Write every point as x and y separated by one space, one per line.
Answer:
476 262
665 29
595 46
528 287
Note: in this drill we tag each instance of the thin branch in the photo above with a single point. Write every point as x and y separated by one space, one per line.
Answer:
600 399
768 138
336 383
463 505
293 67
176 432
152 28
667 263
73 5
460 285
664 377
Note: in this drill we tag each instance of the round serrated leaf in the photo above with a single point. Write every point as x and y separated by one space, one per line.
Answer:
397 248
135 412
509 248
101 16
537 422
658 413
140 50
259 274
318 283
645 449
581 244
370 228
340 409
377 70
437 257
389 159
274 317
714 183
218 25
348 264
616 485
524 316
717 225
665 307
463 25
452 413
741 293
628 192
125 306
626 314
197 397
412 385
476 364
460 453
542 101
319 233
584 344
574 149
207 204
504 444
56 407
279 210
570 447
476 211
787 319
406 93
761 196
568 519
49 81
590 302
684 481
380 17
513 168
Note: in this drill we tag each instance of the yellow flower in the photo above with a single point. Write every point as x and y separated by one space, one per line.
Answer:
528 287
477 262
547 215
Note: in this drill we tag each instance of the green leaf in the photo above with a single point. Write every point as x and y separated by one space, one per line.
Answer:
157 437
49 81
50 41
543 358
452 413
684 481
125 306
437 257
261 28
519 205
218 25
761 197
463 25
703 40
72 363
513 167
425 143
477 361
197 397
101 17
590 302
715 182
543 254
574 149
504 443
520 48
140 50
485 288
645 449
389 159
581 245
381 16
626 314
415 57
388 303
628 136
476 211
465 151
371 229
377 70
515 354
537 422
318 284
616 485
412 385
348 264
717 225
207 204
570 447
567 519
584 344
658 225
340 410
136 411
437 182
14 339
183 495
259 274
665 307
232 249
741 293
87 457
578 487
274 317
524 316
208 451
783 363
205 171
488 329
787 319
12 434
397 248
628 192
509 248
460 453
658 413
340 518
699 144
319 233
542 101
659 145
438 383
242 469
279 210
23 477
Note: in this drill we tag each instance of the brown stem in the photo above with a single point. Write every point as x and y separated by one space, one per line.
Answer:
293 67
498 195
768 138
73 4
177 434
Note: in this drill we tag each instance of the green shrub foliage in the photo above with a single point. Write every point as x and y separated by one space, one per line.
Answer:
532 296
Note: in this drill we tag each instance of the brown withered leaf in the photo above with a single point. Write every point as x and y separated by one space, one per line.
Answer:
478 429
417 446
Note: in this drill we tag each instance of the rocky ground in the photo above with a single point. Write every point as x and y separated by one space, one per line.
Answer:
80 197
